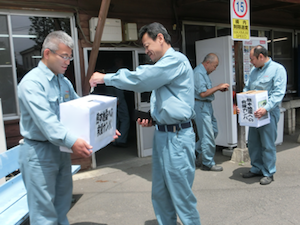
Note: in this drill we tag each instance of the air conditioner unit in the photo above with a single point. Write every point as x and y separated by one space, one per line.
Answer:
131 32
112 32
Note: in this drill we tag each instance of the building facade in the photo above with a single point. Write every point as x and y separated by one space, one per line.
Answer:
24 25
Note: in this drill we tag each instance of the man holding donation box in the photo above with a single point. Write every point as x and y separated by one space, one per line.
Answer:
271 77
46 170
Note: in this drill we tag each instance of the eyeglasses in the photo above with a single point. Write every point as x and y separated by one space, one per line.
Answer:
66 58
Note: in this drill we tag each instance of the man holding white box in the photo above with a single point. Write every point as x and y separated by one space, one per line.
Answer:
97 123
270 76
46 170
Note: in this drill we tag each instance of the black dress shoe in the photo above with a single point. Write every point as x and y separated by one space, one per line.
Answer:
266 180
120 144
198 162
213 168
216 168
250 174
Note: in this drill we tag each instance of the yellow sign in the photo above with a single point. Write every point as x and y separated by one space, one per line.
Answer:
240 29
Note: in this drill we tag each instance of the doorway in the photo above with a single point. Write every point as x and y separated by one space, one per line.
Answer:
138 142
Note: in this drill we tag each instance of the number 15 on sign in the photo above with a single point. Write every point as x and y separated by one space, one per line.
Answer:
240 8
240 26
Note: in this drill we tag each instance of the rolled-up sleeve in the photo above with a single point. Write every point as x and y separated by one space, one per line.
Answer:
146 77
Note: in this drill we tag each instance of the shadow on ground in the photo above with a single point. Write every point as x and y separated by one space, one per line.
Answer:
154 222
289 142
237 175
88 223
75 198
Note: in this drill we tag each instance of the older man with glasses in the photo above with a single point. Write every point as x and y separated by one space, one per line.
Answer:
45 169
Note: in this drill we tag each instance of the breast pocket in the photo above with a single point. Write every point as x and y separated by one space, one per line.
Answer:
266 83
65 91
54 104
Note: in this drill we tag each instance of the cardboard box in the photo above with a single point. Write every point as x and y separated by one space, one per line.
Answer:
248 102
92 118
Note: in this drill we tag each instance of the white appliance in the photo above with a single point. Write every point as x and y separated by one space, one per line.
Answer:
112 31
131 32
224 109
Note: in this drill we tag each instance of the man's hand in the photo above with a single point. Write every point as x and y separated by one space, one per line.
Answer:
237 110
144 122
260 112
97 78
117 134
223 87
82 148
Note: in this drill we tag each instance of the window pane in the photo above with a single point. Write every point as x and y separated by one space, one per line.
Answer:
283 53
3 25
7 91
110 62
29 33
5 58
223 31
254 33
288 66
143 60
297 63
282 44
194 33
267 34
262 33
27 55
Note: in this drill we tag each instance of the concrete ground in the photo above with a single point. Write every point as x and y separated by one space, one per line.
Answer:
120 193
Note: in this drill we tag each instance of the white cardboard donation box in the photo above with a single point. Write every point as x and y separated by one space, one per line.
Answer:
248 102
92 118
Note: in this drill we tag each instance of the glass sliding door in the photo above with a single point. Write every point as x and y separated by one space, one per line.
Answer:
21 38
131 58
283 53
195 32
7 84
28 34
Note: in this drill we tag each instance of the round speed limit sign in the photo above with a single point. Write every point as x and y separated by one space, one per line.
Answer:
240 8
240 25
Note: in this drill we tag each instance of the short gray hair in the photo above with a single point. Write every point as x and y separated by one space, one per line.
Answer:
54 39
210 57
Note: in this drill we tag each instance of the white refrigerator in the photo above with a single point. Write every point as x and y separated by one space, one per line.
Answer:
223 105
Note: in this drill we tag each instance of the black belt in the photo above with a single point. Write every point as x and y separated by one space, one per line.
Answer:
196 99
35 140
173 127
